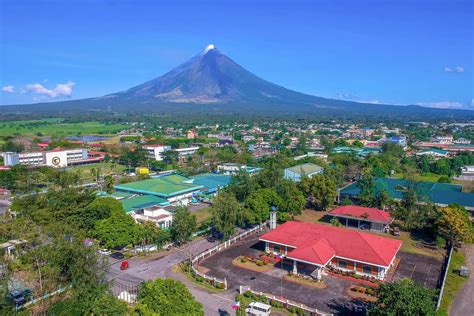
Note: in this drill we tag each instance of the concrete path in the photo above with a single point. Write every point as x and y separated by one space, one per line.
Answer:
464 302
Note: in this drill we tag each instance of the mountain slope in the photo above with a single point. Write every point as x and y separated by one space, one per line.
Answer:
212 83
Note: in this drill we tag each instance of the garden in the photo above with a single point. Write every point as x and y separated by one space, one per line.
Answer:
254 264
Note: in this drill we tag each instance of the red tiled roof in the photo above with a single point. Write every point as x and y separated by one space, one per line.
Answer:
318 243
371 214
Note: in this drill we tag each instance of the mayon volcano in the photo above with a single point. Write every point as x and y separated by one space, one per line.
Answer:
212 83
210 77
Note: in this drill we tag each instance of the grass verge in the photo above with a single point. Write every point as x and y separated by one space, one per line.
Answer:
454 282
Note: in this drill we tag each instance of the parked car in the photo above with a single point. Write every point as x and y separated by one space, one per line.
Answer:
117 255
19 297
124 265
105 252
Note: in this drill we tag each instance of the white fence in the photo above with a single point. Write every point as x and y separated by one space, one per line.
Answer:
443 282
286 302
220 247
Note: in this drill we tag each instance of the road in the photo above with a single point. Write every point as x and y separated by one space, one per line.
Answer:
160 266
464 302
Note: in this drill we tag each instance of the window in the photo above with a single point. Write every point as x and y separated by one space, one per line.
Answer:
367 269
342 264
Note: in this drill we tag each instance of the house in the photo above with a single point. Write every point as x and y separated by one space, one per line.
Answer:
296 173
174 188
156 151
433 152
313 248
448 139
160 216
231 168
191 134
185 152
362 217
442 194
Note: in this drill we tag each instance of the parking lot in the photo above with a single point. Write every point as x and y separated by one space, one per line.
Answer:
423 269
331 299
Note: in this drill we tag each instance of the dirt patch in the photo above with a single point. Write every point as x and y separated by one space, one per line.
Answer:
249 265
302 281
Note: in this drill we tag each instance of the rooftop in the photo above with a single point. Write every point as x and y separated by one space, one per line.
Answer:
142 201
164 186
367 213
306 168
318 243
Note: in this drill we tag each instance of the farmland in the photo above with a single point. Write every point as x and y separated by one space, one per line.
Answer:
57 128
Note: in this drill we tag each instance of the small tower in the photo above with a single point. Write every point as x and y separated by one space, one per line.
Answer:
273 217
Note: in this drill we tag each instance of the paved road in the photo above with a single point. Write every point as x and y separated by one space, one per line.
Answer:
160 266
464 302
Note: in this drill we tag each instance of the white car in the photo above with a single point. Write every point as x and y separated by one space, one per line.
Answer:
105 252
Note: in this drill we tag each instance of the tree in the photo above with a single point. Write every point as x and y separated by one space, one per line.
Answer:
404 297
367 188
166 297
454 225
242 185
109 184
184 225
226 214
118 230
100 208
150 233
320 190
259 204
292 199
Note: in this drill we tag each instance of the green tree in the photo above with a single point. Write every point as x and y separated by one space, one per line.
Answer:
100 208
166 297
226 214
118 230
454 225
150 233
184 225
292 199
320 191
260 202
404 297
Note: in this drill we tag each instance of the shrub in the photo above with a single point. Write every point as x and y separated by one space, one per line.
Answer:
243 260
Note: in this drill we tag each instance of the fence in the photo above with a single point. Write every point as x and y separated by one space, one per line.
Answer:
286 302
446 271
220 247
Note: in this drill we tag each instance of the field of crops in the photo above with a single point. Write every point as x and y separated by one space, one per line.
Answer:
57 128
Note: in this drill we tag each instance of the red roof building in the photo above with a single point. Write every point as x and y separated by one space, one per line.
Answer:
362 217
318 246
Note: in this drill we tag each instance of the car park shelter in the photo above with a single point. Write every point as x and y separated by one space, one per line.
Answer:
362 217
317 246
442 194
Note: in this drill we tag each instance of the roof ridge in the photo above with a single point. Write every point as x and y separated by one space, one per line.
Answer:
362 235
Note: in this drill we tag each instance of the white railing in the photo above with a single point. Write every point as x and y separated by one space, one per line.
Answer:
286 302
443 282
220 247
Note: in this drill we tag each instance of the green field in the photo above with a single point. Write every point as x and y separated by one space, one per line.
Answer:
56 128
105 167
454 282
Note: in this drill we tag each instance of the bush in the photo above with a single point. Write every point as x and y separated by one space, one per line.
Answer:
244 259
440 242
259 263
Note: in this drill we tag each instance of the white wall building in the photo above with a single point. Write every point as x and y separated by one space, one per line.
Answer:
156 151
184 152
156 214
53 158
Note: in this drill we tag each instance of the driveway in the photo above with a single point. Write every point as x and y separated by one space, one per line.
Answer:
331 299
160 266
424 270
464 301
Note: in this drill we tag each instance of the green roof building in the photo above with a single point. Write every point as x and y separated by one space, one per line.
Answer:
441 194
142 201
174 188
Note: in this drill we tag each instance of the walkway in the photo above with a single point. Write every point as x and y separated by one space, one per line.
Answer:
464 302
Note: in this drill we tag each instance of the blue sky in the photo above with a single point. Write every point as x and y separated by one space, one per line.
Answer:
397 51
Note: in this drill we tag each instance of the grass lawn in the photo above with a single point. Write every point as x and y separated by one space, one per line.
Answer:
424 177
106 167
306 282
311 216
56 128
202 215
454 282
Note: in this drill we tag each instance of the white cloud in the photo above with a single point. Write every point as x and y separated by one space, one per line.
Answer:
445 105
8 88
355 98
61 89
457 69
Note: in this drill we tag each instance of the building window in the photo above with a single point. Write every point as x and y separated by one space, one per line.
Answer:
367 269
342 264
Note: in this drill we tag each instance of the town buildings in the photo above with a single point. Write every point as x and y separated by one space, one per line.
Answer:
53 158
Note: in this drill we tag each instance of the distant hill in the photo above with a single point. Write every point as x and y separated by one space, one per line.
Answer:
211 82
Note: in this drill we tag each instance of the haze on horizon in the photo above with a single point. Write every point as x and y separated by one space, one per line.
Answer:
395 52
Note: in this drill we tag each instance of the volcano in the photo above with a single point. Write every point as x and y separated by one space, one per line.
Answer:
212 83
210 77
